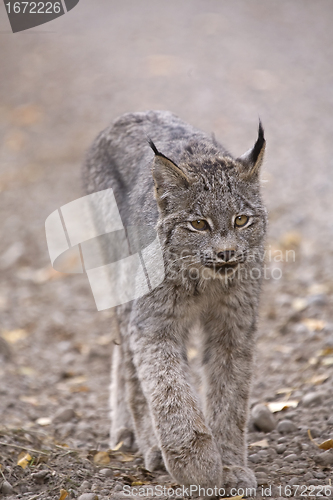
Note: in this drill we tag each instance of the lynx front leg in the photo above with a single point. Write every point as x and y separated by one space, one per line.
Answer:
187 445
144 430
227 363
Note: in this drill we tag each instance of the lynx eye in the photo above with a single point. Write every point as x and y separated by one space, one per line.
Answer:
199 224
241 220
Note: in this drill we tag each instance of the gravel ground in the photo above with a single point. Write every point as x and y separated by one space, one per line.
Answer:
218 65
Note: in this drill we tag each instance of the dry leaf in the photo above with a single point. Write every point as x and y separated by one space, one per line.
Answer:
118 446
127 458
327 361
299 304
43 421
238 497
139 483
318 289
282 405
326 352
104 340
310 437
263 443
326 445
285 390
63 494
317 379
101 458
23 459
29 399
13 336
28 371
315 325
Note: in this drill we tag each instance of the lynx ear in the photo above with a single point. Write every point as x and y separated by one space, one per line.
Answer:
251 161
167 175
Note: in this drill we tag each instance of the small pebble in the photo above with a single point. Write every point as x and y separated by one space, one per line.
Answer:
85 485
39 476
291 458
106 472
263 418
255 458
317 300
313 398
294 480
118 487
6 488
330 420
286 426
281 448
308 476
263 453
319 475
88 496
325 458
315 432
260 468
64 415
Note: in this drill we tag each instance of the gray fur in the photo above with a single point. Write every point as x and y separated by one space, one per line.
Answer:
199 433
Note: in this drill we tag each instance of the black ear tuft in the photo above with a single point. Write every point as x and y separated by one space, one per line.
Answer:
153 147
157 152
257 148
251 161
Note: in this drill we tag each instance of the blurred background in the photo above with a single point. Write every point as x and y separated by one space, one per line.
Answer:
218 65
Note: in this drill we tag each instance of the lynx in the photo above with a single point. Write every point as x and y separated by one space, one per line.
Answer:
207 210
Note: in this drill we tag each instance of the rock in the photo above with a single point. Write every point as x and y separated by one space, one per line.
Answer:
315 432
85 485
290 458
262 478
260 468
7 488
294 480
330 421
263 453
313 398
255 458
319 475
106 472
286 426
64 415
39 476
118 487
308 476
318 300
325 458
88 496
281 448
263 418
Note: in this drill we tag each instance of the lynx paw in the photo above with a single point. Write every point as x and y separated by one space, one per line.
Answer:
153 459
235 476
126 437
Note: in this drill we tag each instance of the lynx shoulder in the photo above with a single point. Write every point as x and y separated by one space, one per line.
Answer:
206 208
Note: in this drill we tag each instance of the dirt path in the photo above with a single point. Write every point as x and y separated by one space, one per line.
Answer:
217 65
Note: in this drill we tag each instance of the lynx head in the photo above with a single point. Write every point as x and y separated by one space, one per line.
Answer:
211 214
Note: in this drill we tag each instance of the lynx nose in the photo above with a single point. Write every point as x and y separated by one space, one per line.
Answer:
226 255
